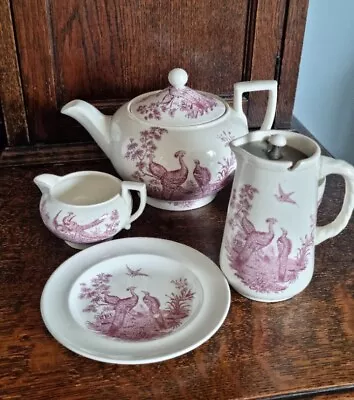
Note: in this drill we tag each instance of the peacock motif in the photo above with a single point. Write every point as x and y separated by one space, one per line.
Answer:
121 308
170 180
201 175
69 229
263 260
256 240
141 316
185 183
153 304
284 249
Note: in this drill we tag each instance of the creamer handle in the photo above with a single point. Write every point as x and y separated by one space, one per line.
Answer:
332 166
255 86
139 187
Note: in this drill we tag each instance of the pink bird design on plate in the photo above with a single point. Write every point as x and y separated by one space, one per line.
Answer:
284 197
135 272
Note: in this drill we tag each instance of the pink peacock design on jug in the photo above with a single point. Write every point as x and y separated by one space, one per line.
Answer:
260 258
185 100
139 316
181 183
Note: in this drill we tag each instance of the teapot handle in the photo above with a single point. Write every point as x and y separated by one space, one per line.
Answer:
139 187
255 86
332 166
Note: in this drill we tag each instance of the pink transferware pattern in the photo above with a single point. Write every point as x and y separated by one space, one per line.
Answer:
183 183
185 100
169 139
260 259
67 228
283 197
135 301
127 319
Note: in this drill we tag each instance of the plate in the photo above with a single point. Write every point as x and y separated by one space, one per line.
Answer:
135 301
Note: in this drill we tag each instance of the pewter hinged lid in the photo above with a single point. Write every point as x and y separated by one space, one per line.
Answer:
274 148
177 105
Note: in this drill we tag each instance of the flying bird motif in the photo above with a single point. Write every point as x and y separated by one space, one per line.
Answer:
135 272
284 197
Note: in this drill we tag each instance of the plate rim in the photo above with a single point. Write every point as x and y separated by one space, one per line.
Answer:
117 249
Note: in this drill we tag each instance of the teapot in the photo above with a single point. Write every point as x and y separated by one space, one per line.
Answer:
174 140
268 246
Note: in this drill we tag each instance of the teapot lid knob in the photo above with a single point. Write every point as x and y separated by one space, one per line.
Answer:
178 78
277 142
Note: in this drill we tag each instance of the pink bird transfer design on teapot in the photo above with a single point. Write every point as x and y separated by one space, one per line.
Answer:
183 183
186 100
193 120
139 316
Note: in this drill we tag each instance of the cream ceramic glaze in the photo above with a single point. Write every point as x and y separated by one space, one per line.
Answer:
175 140
87 207
268 246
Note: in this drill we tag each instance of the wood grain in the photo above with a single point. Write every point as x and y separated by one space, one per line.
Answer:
35 48
11 97
117 49
303 347
291 54
108 51
50 154
111 49
269 25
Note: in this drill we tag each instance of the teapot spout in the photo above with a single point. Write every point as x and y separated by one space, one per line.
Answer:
97 124
45 182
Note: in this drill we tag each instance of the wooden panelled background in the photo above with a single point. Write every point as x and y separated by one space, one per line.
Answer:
108 51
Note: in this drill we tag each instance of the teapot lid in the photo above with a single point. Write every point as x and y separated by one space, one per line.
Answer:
177 105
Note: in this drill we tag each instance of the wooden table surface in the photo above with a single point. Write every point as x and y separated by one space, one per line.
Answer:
301 348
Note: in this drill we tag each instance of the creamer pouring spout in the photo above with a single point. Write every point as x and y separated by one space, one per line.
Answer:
268 246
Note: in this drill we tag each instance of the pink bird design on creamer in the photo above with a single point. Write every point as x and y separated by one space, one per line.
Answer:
284 197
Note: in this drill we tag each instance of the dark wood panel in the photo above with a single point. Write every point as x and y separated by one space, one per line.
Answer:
291 54
36 60
50 154
11 98
110 48
268 32
107 51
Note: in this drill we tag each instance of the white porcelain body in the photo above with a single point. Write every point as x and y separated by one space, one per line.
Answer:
207 143
183 167
146 264
268 246
87 207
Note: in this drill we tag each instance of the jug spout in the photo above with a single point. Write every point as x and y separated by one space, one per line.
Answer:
236 144
45 182
97 124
